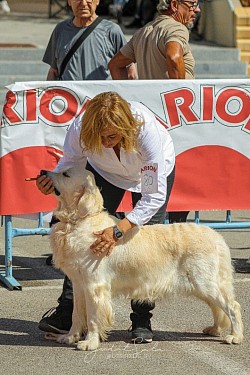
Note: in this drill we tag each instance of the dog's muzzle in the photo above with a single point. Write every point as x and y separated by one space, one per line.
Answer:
43 172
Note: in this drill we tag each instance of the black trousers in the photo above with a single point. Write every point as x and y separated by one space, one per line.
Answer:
112 197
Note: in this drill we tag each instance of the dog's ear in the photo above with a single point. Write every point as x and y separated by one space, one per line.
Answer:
91 200
62 212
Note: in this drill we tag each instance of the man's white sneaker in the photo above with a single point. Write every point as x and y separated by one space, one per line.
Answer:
5 6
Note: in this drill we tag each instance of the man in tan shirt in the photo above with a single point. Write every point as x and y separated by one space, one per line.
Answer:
161 50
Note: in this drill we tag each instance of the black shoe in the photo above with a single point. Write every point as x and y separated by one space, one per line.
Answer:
141 329
136 23
49 260
56 320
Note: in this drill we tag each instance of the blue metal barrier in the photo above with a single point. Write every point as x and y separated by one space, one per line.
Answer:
6 276
227 224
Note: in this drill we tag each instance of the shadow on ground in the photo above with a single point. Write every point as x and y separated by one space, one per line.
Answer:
27 268
17 332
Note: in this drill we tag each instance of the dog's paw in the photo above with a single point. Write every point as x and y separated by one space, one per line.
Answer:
68 339
212 331
233 339
88 345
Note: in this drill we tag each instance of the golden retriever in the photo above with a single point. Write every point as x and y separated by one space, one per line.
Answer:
150 262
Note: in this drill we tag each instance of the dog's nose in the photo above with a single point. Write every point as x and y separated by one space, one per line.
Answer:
43 172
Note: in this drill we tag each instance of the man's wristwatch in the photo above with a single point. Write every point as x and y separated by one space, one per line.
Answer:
118 234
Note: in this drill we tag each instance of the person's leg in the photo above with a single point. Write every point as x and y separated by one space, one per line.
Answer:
141 315
49 259
59 319
141 331
177 216
148 11
136 22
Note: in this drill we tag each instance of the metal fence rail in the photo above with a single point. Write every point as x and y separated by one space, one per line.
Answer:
9 280
6 275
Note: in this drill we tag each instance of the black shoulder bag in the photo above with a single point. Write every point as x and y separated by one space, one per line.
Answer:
77 44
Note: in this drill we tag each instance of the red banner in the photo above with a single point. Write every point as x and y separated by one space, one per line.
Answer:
209 122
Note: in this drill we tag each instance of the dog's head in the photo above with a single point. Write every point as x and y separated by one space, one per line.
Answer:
76 192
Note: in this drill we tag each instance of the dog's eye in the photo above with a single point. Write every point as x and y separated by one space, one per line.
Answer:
65 174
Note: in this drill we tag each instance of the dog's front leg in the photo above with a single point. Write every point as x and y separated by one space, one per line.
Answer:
99 316
92 340
78 318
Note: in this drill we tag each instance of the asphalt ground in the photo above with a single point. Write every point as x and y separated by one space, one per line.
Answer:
178 347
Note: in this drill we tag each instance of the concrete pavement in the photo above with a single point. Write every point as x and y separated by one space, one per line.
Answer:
28 22
178 347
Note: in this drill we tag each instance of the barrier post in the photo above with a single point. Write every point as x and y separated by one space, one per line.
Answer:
6 277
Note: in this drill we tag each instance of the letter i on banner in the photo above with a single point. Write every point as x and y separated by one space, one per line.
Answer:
149 178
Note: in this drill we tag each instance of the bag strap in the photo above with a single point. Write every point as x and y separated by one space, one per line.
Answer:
77 44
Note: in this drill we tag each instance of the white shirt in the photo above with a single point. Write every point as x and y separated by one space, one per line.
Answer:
155 146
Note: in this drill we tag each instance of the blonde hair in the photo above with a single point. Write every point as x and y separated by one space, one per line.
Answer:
105 110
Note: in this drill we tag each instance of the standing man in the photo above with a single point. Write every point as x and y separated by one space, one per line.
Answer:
89 62
161 50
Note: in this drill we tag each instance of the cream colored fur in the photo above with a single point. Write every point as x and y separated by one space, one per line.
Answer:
149 262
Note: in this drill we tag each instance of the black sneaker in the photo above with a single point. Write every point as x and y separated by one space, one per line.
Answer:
56 320
141 330
49 260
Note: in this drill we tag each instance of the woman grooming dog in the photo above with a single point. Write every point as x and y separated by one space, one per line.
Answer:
126 149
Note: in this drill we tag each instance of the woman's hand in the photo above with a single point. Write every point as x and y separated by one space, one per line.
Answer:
105 238
105 242
45 184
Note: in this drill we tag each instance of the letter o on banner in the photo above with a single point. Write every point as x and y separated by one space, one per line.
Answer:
226 99
58 106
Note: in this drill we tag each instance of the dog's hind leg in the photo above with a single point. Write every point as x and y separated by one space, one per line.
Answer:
234 313
232 309
99 317
221 321
78 318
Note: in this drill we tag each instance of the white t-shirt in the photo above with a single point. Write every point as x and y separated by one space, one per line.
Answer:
155 147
